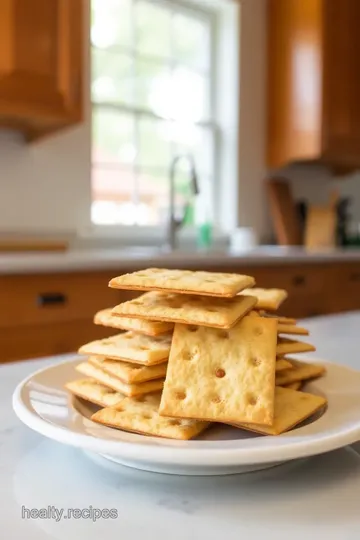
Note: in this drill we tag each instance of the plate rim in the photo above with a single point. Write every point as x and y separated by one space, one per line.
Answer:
180 455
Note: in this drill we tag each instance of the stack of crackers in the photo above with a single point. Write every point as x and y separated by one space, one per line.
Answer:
197 348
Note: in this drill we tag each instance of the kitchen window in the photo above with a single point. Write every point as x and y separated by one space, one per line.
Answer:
152 91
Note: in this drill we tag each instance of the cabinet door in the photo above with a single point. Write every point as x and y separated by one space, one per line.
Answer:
341 83
41 60
294 50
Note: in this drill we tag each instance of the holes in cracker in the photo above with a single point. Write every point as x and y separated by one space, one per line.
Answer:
146 416
192 328
180 395
251 399
220 373
216 399
223 334
258 331
255 361
127 336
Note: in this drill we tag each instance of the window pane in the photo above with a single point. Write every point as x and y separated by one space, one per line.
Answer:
199 143
150 84
154 144
111 23
153 189
191 42
112 79
181 95
113 137
112 193
152 29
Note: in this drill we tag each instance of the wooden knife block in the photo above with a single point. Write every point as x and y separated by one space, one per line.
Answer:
320 229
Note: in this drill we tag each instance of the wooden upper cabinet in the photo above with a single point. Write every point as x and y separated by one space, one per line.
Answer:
41 65
314 82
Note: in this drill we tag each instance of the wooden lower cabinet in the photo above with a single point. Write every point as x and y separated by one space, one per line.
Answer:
31 341
51 314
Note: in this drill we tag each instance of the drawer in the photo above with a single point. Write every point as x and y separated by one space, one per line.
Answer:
345 294
48 339
40 299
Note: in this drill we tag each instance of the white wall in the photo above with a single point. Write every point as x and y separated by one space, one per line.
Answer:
45 186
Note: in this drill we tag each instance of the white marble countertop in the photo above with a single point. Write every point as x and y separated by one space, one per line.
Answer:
314 499
142 257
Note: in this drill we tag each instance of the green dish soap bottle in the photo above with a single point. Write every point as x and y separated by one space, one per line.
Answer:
203 222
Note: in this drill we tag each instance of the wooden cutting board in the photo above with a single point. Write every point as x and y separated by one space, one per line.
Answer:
321 222
283 212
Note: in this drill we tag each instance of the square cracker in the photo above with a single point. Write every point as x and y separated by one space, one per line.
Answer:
280 319
269 299
131 347
129 390
130 373
222 376
300 371
149 328
94 392
141 416
170 307
183 282
281 364
291 408
289 346
292 329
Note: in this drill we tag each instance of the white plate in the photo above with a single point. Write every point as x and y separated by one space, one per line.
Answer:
41 402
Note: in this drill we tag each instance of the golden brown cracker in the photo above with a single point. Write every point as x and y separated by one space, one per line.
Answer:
291 408
291 346
185 309
116 384
222 376
281 364
149 328
184 282
94 392
131 347
292 329
141 416
270 299
301 371
129 373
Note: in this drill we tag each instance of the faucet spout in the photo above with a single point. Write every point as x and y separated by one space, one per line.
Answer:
174 222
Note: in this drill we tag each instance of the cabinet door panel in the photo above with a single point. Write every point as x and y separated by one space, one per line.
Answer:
40 59
341 87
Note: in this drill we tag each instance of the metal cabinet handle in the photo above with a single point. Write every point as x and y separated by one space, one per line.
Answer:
51 299
298 280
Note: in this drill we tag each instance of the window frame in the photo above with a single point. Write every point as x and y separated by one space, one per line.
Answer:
228 21
198 13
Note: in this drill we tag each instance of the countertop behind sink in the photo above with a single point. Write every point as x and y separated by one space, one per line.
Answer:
131 257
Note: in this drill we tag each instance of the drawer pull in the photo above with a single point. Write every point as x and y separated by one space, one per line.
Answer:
355 276
51 299
298 280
